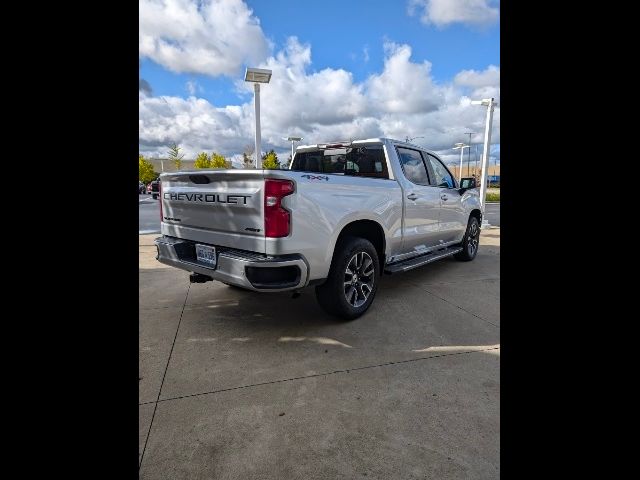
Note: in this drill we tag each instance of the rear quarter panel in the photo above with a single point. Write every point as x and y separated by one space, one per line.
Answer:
323 204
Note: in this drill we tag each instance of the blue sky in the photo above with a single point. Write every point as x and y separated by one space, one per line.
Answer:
369 52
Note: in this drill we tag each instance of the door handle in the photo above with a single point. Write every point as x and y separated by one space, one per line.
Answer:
412 196
444 197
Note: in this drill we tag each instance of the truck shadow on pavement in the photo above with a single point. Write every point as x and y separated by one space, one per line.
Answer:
280 310
220 303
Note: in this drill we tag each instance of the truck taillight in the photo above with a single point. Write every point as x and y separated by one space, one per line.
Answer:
277 220
160 199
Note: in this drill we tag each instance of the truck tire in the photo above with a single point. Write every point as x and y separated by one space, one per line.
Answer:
470 242
155 196
352 281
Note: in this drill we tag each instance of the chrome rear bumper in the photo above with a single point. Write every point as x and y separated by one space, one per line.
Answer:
237 267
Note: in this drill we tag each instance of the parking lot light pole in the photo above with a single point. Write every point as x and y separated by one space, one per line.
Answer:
461 146
257 76
490 103
469 151
293 140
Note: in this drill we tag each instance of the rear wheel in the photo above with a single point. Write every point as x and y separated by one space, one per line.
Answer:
470 242
353 279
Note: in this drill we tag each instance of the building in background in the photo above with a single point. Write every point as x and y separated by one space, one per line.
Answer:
493 173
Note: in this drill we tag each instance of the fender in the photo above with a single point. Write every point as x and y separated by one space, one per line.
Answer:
354 217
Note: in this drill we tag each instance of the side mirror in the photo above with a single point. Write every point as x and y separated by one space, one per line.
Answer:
467 183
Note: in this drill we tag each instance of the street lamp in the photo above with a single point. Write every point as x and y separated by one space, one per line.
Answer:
292 140
461 146
490 103
257 76
469 152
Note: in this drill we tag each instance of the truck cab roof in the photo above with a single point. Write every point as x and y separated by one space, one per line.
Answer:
349 143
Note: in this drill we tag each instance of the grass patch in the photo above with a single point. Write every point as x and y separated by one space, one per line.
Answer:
492 197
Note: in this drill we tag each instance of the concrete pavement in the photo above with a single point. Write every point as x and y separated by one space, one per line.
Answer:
492 213
148 215
241 385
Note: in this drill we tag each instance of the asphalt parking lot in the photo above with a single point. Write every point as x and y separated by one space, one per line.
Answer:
238 385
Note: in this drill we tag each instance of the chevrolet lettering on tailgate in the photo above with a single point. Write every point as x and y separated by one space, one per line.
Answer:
208 198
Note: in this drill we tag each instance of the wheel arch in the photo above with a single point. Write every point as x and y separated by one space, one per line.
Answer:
476 213
368 229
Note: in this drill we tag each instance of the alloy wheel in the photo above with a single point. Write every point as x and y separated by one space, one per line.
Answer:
359 277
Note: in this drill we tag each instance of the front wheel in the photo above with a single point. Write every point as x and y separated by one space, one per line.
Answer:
155 197
470 242
353 279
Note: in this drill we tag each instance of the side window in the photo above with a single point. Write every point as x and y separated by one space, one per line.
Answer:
367 161
442 176
413 166
361 161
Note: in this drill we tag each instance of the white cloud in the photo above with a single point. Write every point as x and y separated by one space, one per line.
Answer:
445 12
297 98
403 86
193 87
210 37
365 52
483 84
193 123
473 78
402 100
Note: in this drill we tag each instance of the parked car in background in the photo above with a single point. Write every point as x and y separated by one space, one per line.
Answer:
155 188
141 188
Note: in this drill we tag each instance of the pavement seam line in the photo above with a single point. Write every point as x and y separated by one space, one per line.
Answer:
325 374
144 449
457 306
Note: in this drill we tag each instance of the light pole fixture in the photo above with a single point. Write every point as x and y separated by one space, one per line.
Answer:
490 103
461 146
476 155
292 140
411 139
469 152
257 76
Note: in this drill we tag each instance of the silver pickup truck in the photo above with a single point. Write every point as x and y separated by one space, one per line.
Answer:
343 214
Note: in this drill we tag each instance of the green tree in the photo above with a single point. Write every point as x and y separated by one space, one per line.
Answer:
146 173
175 156
270 160
202 161
218 161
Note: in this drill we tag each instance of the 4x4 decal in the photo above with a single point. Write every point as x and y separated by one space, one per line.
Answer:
316 177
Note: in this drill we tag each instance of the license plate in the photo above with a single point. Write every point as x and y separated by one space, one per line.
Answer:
206 254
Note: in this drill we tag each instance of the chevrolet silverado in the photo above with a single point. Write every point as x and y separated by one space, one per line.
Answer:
343 214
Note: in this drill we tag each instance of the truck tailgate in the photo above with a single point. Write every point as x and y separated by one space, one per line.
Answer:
217 207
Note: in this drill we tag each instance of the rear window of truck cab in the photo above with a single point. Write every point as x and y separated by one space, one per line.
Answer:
359 161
